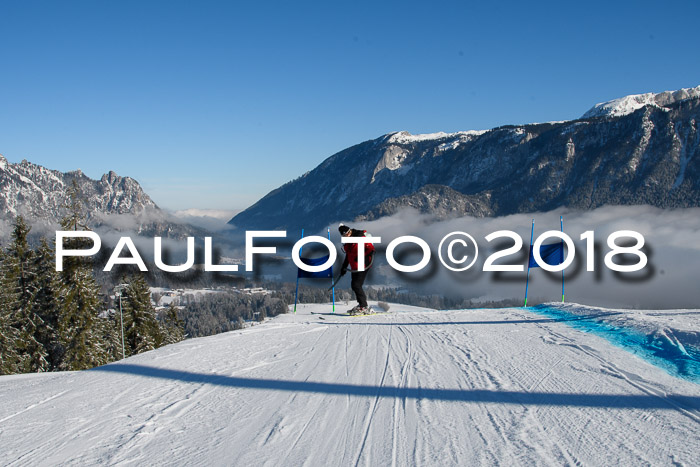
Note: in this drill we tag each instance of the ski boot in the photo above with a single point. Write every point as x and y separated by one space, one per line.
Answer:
359 310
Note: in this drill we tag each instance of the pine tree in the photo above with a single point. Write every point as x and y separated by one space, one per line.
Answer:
80 328
46 302
110 335
10 358
81 331
21 275
75 218
173 328
141 330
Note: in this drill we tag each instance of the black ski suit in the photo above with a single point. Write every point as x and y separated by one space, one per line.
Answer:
351 256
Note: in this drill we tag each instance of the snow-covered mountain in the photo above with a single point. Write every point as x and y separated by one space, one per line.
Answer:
37 192
629 104
412 387
112 202
636 150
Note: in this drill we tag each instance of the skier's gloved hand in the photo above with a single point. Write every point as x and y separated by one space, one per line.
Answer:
343 271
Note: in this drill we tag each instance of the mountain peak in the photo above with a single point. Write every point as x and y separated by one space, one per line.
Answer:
39 193
110 177
628 104
404 137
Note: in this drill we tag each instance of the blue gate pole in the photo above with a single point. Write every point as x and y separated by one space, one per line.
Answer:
332 288
527 282
296 292
561 222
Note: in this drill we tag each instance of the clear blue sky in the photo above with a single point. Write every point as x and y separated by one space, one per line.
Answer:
213 104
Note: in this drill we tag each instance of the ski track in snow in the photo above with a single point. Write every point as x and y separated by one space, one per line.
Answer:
412 387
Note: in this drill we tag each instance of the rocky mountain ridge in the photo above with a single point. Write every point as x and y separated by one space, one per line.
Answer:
111 203
617 155
36 192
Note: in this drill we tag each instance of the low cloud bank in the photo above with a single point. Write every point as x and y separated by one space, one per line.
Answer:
672 244
214 220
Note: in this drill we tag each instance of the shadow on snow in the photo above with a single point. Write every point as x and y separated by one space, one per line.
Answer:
616 401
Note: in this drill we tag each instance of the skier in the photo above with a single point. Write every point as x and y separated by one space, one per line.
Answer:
351 260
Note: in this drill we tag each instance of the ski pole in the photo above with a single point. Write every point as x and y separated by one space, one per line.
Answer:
335 282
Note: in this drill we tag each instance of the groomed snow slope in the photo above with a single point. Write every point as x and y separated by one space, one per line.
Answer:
410 387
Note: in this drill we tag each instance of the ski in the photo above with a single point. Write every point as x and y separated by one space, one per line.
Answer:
352 316
366 314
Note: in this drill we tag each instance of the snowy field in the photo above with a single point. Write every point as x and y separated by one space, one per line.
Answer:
412 387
